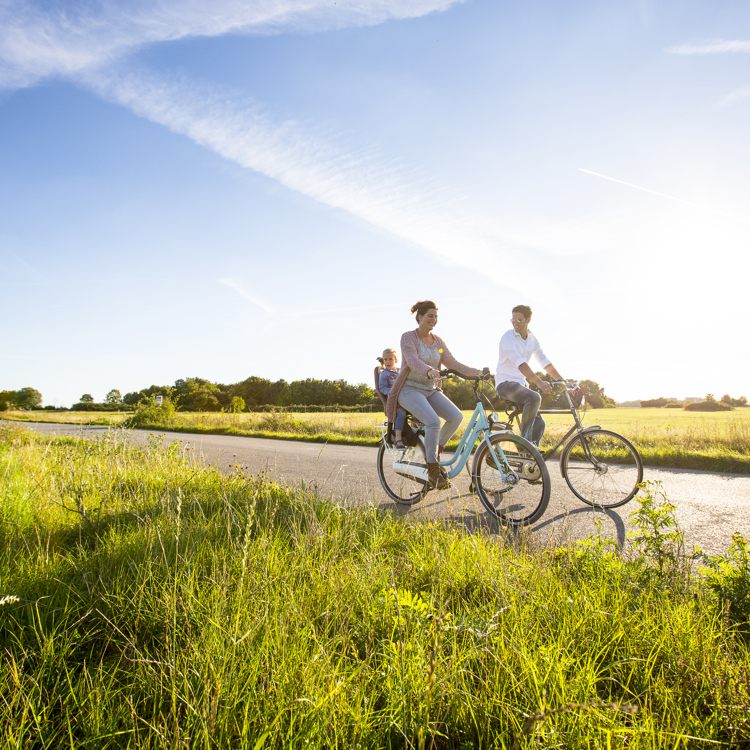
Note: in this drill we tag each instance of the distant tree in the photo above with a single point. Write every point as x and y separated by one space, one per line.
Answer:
727 399
238 404
113 397
707 405
654 402
596 398
461 393
28 398
710 397
87 398
197 394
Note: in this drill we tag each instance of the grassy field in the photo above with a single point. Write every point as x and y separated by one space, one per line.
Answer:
665 437
150 603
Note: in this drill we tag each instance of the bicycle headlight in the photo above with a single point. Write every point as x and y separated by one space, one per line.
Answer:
494 418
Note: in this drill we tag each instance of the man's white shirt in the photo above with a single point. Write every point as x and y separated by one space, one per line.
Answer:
514 351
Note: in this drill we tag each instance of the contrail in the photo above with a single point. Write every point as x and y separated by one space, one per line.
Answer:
663 195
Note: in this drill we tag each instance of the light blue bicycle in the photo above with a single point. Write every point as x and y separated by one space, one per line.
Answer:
508 473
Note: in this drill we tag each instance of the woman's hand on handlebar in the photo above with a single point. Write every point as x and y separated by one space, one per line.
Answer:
481 374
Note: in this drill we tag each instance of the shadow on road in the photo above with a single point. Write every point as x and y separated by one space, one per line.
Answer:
474 521
614 517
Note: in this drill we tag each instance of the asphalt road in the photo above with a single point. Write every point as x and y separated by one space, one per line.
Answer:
710 506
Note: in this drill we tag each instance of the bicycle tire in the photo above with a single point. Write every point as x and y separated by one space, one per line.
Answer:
401 489
612 479
523 495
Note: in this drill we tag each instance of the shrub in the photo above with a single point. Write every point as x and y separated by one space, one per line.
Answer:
729 578
707 406
91 406
656 533
149 413
655 402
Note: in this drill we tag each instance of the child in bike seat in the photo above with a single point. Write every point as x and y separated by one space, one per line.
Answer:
387 378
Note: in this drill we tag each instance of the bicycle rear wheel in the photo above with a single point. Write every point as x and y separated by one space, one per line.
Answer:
519 494
404 490
602 468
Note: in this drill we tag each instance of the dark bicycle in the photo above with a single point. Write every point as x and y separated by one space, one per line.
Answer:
602 468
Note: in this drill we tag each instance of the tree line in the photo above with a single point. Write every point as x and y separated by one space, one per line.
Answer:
200 394
709 403
462 394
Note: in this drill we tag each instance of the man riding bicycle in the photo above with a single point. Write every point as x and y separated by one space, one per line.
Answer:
513 373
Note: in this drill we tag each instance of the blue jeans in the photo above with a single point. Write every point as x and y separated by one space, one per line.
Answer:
532 423
428 407
400 414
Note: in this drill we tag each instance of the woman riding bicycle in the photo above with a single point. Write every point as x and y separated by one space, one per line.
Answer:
417 388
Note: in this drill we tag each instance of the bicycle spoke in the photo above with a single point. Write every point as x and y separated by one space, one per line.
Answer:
517 492
404 490
602 468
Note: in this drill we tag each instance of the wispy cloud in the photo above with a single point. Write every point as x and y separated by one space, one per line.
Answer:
87 42
664 195
237 286
741 93
714 47
39 39
380 191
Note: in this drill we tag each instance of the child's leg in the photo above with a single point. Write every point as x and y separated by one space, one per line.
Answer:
399 426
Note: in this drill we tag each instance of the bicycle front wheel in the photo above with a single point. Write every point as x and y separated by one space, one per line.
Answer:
602 468
404 490
514 484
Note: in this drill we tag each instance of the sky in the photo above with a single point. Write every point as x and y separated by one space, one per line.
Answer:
266 187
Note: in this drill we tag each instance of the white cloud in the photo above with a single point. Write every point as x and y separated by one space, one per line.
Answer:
714 47
254 298
39 40
664 195
377 190
741 93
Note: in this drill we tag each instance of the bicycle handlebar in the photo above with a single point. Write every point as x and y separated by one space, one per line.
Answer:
455 373
569 384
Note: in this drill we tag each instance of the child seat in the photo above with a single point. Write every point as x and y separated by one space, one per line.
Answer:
383 397
408 434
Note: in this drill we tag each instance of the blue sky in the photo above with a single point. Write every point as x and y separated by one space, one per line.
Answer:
264 188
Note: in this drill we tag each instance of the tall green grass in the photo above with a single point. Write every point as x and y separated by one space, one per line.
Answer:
670 438
147 602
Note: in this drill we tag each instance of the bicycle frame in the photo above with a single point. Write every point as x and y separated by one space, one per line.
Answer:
578 428
478 425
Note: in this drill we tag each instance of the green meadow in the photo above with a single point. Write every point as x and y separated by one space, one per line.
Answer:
671 438
147 602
